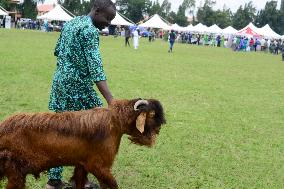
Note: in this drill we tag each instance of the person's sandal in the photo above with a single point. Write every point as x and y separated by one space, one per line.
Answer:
91 185
88 185
57 184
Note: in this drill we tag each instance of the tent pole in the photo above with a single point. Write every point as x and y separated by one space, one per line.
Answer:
126 18
67 11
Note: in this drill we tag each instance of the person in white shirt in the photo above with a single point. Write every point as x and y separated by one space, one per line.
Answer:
136 38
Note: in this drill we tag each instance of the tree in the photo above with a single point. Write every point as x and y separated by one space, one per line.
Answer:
29 9
223 18
134 9
166 9
155 8
244 16
269 15
205 14
5 4
282 17
74 6
189 6
180 18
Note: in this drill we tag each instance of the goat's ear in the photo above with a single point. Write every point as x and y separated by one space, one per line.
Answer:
140 122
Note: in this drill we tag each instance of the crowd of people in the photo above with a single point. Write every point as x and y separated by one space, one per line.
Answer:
27 23
236 43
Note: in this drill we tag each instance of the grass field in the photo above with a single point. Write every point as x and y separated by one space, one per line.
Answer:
224 110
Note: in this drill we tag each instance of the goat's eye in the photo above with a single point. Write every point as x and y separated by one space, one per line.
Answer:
152 114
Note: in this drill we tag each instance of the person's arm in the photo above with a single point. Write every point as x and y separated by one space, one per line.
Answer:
103 88
90 46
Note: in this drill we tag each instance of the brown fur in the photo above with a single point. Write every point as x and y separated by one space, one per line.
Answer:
88 140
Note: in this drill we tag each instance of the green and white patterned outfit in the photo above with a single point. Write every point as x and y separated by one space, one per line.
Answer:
79 66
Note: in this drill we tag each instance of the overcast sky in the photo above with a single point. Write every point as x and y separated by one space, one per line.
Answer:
232 4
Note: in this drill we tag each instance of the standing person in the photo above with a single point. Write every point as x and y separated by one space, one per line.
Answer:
127 36
282 50
218 39
136 38
172 38
79 66
198 39
277 47
150 35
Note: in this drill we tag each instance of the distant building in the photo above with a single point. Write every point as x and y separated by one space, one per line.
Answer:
44 8
13 11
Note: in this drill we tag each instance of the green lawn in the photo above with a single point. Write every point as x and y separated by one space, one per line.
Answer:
224 110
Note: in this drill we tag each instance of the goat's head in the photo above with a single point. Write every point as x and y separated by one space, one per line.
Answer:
148 117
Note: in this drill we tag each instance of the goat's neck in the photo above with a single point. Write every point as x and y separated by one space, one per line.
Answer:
124 120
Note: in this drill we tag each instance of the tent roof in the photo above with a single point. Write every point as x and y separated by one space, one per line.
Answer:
229 30
214 29
200 28
119 20
175 27
155 22
56 14
189 28
45 7
2 12
268 32
250 30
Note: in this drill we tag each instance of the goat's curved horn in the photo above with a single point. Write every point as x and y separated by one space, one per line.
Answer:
140 102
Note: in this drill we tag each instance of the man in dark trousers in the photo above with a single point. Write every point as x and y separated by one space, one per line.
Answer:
127 36
172 38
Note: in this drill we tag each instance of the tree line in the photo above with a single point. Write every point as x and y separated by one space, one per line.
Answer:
137 10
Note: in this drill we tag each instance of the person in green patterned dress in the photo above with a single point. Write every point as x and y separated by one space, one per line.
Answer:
79 67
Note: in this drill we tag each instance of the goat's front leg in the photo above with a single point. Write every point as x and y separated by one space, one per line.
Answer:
79 177
104 177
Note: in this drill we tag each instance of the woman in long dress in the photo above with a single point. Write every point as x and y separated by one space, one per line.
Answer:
135 39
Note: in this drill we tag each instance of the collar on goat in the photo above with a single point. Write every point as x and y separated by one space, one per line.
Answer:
140 102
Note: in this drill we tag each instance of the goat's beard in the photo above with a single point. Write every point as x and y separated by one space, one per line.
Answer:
144 139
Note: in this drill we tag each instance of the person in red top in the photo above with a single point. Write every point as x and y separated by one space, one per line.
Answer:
251 43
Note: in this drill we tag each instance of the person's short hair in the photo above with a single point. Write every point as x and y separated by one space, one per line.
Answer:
103 4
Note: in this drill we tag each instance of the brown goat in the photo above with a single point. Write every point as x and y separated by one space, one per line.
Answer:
88 140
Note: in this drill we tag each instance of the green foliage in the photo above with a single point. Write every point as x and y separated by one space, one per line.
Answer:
75 6
4 4
244 16
205 14
161 9
29 9
269 15
223 18
281 20
224 109
134 9
181 19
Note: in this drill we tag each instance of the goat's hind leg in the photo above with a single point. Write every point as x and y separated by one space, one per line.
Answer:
15 180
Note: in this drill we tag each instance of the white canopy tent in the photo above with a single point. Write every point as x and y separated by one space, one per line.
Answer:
3 12
56 14
200 28
119 20
229 30
266 31
189 28
214 29
155 22
250 31
175 27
